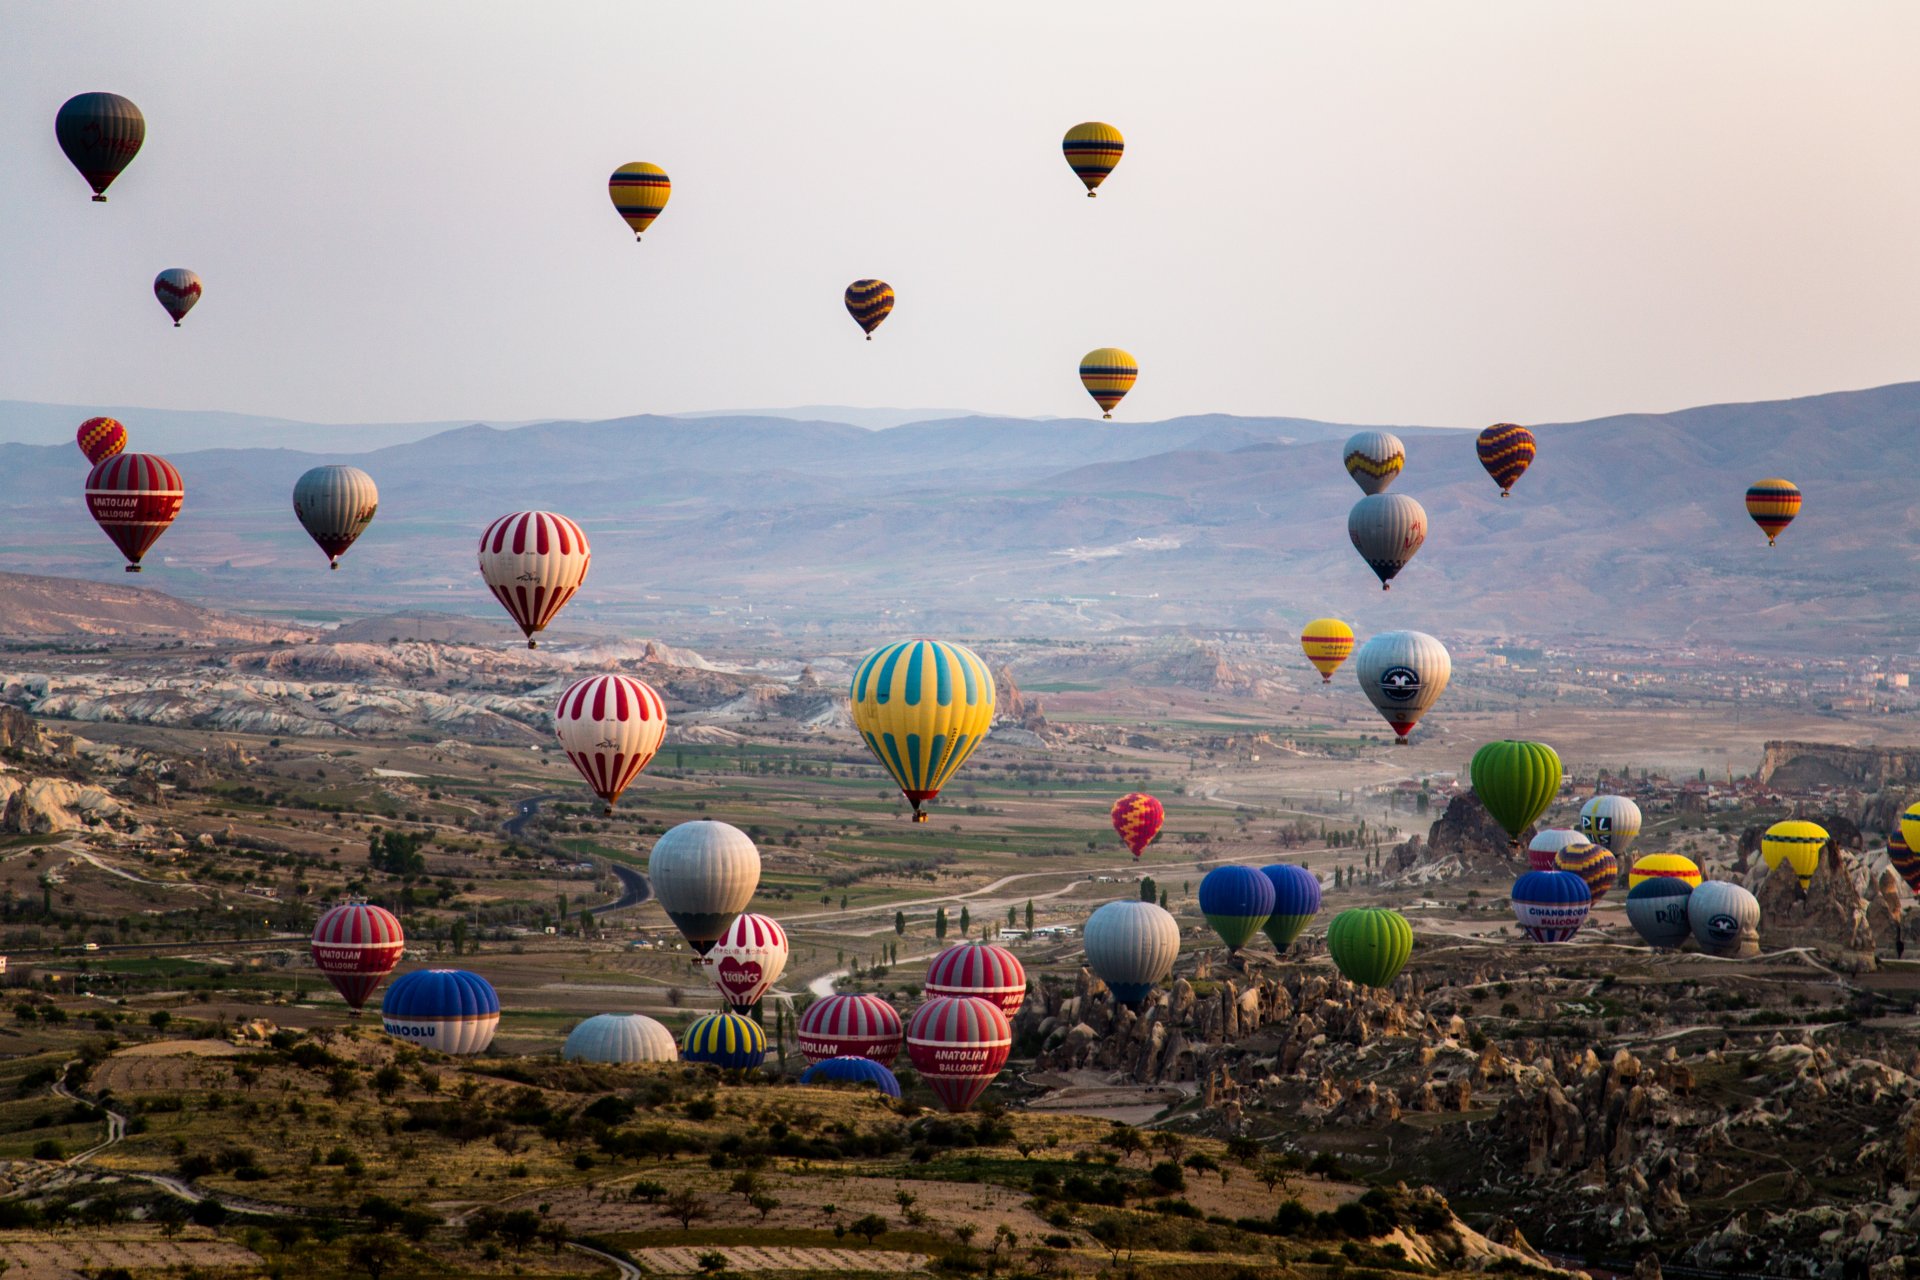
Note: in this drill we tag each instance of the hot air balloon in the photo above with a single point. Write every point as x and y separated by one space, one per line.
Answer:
1653 866
857 1071
858 1026
1236 901
357 944
1370 945
534 561
1798 844
958 1044
1906 863
1725 919
620 1038
1137 817
101 134
1108 373
1387 529
1131 946
922 706
1373 459
1596 866
639 191
101 438
869 302
610 727
748 959
1403 673
1506 451
1516 781
448 1010
1773 503
1550 905
335 505
730 1040
1296 900
1546 846
703 874
1092 150
979 969
1612 822
178 289
1327 643
134 497
1910 825
1657 910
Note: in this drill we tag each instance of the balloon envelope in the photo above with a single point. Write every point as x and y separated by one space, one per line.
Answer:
1655 865
1403 673
1906 863
958 1044
101 133
979 969
1131 946
620 1037
335 505
1796 843
748 959
1136 818
1506 451
101 438
1373 459
1387 529
869 302
1773 503
1725 919
1296 901
1327 642
1108 373
1550 905
1236 901
610 727
703 874
1594 865
134 498
1092 150
1546 846
1370 945
861 1026
729 1040
859 1071
533 562
449 1010
1657 910
1516 781
639 192
357 944
177 289
1612 822
922 706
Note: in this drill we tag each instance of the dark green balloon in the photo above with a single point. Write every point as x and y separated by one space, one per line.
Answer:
1516 781
1370 945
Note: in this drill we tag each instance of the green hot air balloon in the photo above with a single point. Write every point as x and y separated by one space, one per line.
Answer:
1516 781
1370 944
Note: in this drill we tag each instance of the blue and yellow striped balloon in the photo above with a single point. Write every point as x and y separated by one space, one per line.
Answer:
1108 373
922 706
640 191
725 1040
1093 149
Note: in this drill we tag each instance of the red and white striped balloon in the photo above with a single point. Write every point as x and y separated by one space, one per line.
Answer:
749 958
979 969
357 944
851 1026
958 1044
134 497
534 561
610 727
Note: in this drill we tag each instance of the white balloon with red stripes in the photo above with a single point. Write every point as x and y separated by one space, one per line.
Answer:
749 958
853 1025
534 561
610 727
979 969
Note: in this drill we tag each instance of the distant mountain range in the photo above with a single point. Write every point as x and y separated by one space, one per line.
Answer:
1629 527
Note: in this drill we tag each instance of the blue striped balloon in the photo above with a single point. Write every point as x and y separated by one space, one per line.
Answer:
864 1071
1551 905
1236 901
1296 900
725 1040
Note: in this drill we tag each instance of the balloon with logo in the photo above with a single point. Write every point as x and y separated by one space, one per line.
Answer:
869 302
177 289
922 706
729 1040
620 1038
1725 919
1797 843
1657 910
1612 822
703 874
533 562
1131 946
855 1071
1136 818
1550 905
1906 863
101 133
610 727
1327 642
747 960
979 969
1547 844
335 505
101 438
1772 504
1373 459
1403 673
356 944
1092 150
1506 451
446 1010
958 1044
852 1025
1296 901
1108 373
1236 901
1516 781
1653 866
639 192
134 498
1387 529
1370 945
1594 865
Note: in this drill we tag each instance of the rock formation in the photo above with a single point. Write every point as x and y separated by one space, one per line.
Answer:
1829 915
1804 765
1464 840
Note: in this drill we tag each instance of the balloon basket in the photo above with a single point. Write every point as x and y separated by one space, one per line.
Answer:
99 199
133 568
919 817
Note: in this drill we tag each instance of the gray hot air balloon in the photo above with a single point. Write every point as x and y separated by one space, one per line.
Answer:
1403 673
1131 946
620 1037
704 874
178 289
1612 822
1387 528
1657 910
1373 459
335 504
1725 918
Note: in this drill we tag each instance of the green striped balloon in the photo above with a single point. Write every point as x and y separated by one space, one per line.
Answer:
1516 781
1370 945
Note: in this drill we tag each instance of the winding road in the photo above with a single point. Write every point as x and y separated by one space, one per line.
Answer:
637 890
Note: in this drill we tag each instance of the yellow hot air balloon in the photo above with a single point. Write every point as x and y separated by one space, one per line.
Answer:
1108 373
922 706
1327 642
639 192
1797 843
1652 866
1093 149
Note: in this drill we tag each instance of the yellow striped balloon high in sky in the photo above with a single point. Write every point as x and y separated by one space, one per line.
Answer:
922 706
1093 149
1328 642
869 302
1108 373
639 192
1773 503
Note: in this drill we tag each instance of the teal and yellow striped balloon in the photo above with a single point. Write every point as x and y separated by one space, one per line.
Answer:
1108 373
725 1040
640 191
922 706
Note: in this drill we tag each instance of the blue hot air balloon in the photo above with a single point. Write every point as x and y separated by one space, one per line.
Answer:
1296 900
725 1040
863 1071
1551 905
1657 909
1236 901
449 1010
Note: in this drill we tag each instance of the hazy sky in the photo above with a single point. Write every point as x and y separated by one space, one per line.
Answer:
1392 212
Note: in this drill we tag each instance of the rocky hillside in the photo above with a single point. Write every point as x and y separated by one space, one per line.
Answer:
43 607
